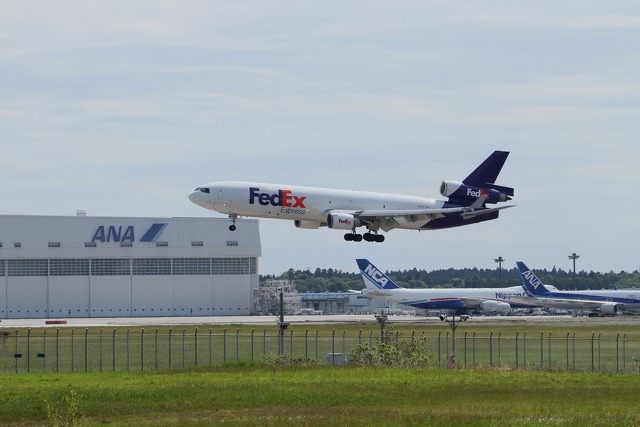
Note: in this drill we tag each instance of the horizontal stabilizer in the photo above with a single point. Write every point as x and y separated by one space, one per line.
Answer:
472 214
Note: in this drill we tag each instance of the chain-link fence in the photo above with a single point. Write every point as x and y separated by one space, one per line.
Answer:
79 350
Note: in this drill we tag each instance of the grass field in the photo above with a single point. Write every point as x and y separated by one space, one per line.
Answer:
325 395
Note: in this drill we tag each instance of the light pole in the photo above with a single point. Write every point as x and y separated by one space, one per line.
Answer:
574 257
500 260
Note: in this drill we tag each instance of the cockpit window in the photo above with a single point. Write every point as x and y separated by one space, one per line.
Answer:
202 189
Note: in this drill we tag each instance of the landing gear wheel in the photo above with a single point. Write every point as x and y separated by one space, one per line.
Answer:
353 237
371 237
232 227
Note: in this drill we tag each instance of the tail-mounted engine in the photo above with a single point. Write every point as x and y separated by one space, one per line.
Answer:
460 191
342 221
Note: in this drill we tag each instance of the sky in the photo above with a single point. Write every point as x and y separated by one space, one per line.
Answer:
122 108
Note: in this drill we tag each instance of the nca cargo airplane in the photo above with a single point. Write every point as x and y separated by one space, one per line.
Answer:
485 300
605 301
311 207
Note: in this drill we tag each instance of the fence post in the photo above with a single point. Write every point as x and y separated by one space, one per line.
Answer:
360 337
142 349
224 346
499 349
524 350
617 352
264 343
316 344
439 351
71 349
371 340
474 349
195 343
44 351
291 342
593 366
100 349
127 349
516 349
113 349
447 345
57 349
567 351
170 348
599 334
491 349
15 355
28 350
86 342
624 352
211 347
156 349
573 350
184 330
333 347
237 344
465 349
541 350
306 348
550 351
252 331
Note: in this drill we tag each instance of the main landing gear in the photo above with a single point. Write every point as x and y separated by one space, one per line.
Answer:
368 237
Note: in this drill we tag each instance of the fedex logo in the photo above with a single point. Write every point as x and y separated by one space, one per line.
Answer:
376 275
281 198
479 193
532 279
344 221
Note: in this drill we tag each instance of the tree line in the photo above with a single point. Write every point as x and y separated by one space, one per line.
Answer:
330 280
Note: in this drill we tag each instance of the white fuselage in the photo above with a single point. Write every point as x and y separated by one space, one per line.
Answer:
444 298
307 204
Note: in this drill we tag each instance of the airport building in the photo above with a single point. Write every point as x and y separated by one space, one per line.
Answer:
84 266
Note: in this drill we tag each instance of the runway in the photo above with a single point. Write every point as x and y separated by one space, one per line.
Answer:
118 322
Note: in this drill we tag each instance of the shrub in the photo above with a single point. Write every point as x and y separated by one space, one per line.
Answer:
405 353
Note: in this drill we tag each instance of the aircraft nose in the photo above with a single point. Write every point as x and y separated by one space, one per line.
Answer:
195 196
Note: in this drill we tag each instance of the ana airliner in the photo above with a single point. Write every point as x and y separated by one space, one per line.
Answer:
605 301
312 207
484 300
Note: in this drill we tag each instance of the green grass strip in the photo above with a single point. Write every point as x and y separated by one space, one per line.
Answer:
256 395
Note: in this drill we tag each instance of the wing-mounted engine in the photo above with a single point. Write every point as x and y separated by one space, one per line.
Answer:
609 308
497 307
342 221
459 191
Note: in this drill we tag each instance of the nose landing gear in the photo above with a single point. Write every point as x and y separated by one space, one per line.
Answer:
232 227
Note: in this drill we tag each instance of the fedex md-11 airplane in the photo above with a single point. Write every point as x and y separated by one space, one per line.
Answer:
312 207
605 301
484 300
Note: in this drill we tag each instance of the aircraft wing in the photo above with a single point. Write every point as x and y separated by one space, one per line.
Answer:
387 218
561 303
472 302
373 293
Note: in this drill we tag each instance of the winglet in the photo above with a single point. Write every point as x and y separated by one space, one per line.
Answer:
374 278
530 282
